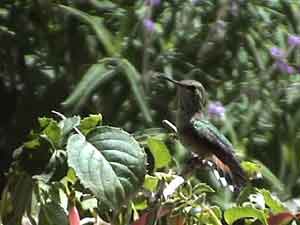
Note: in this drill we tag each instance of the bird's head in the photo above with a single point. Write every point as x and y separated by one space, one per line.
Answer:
192 96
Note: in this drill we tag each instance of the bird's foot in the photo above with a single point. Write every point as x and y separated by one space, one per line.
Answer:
195 162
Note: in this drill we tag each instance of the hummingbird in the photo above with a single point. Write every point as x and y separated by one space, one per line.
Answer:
200 136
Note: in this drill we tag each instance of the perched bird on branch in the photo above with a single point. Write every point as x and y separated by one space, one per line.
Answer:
200 136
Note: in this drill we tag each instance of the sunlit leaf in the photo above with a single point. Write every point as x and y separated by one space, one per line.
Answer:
53 132
160 152
51 129
45 121
202 188
140 204
90 123
71 175
151 182
236 213
217 211
208 216
252 169
274 204
32 144
109 162
90 203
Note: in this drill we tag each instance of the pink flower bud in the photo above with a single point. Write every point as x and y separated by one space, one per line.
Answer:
74 218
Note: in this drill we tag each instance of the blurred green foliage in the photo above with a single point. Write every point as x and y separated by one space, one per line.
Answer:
99 56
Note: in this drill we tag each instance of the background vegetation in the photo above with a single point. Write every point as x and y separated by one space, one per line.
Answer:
88 57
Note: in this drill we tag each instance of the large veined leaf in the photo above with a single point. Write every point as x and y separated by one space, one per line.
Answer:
109 162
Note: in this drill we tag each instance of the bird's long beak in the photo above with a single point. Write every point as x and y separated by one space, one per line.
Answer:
171 80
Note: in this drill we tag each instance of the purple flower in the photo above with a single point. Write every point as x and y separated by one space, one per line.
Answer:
284 67
153 2
216 109
149 25
277 53
294 40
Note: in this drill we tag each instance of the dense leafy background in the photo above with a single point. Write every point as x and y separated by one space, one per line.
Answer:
90 57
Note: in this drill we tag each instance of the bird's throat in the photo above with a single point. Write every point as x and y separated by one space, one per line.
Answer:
189 106
184 117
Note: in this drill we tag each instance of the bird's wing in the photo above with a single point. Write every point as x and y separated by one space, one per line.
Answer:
208 131
219 145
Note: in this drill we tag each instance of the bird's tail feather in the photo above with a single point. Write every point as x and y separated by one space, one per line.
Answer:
231 171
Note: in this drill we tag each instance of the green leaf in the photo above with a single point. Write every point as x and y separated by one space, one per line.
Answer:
208 216
53 132
150 183
96 23
20 188
133 78
90 123
160 152
270 177
89 204
68 124
96 75
71 176
274 204
236 213
109 162
32 144
202 188
252 169
140 204
51 129
52 214
217 211
245 193
143 135
45 121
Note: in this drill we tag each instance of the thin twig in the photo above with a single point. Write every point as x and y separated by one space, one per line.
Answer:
170 126
63 117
